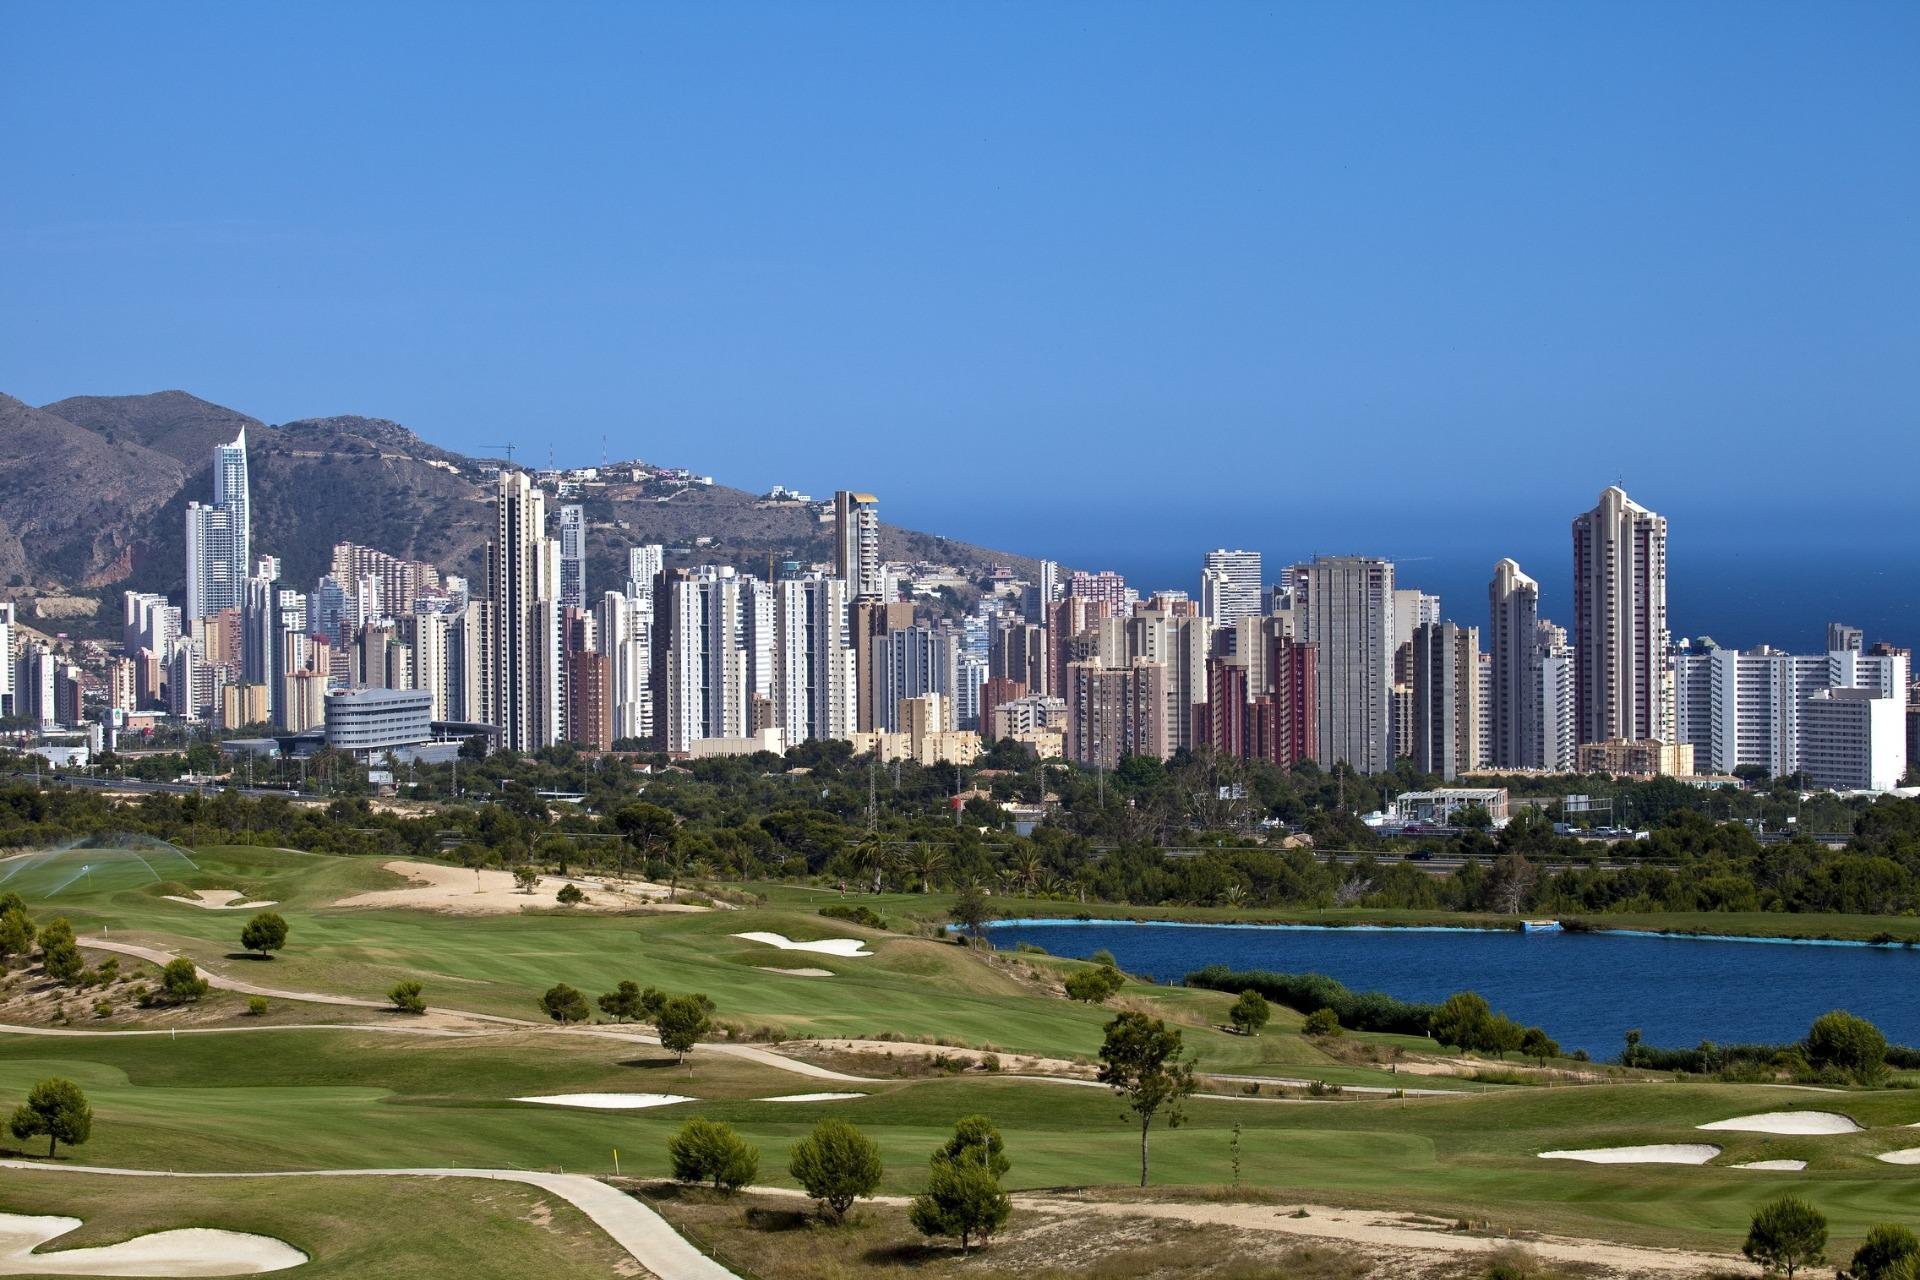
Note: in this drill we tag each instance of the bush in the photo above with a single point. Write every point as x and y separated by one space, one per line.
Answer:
570 895
1321 1022
1842 1042
265 933
564 1004
1306 992
836 1164
1250 1013
1105 957
1888 1254
853 913
406 997
59 953
1096 985
710 1151
181 983
256 1006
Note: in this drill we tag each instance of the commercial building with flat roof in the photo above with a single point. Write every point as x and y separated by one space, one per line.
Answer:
370 722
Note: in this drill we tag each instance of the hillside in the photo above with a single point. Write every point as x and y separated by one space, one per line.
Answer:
93 493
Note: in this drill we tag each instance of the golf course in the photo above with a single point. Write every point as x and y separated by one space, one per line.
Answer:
300 1065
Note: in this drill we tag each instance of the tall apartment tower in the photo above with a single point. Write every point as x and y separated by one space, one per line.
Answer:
523 570
1343 607
856 545
813 676
573 556
1513 601
1622 686
219 536
1230 586
1446 699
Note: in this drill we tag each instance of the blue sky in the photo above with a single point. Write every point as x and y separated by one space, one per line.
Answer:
1303 276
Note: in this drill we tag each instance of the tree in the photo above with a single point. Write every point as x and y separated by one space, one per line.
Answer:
56 1109
564 1004
59 952
710 1151
622 1004
970 910
181 982
265 933
1140 1059
963 1198
1464 1021
570 895
652 832
406 997
682 1021
525 878
16 933
1786 1235
1095 985
1250 1013
1538 1045
975 1138
1889 1253
1321 1022
1842 1042
836 1164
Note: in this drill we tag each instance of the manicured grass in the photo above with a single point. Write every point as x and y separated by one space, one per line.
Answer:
349 1099
382 1228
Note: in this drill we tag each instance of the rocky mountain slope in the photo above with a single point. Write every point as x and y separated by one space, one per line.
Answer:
93 494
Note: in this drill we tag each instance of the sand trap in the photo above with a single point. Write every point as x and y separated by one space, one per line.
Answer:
193 1251
796 973
1783 1166
826 946
486 891
814 1097
1788 1122
608 1101
1653 1153
1906 1155
218 900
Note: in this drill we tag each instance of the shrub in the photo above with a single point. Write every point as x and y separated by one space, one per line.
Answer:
570 895
853 913
1786 1234
1250 1013
1306 992
836 1164
405 996
256 1006
1889 1253
16 933
710 1151
1851 1045
1321 1022
59 953
564 1004
1094 986
181 983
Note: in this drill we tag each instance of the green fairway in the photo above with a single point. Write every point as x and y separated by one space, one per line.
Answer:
320 1099
385 1228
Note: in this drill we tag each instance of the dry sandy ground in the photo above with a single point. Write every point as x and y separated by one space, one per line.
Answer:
1019 1063
485 891
218 900
191 1251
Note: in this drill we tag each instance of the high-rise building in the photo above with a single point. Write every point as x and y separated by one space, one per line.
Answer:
1115 712
813 684
1343 606
626 631
856 545
219 535
1106 586
707 638
391 584
1230 586
573 556
916 660
523 587
1841 638
1622 685
1513 628
644 564
1446 699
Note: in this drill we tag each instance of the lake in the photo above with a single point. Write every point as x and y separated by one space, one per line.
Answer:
1586 989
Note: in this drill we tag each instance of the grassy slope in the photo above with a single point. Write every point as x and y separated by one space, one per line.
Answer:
368 1228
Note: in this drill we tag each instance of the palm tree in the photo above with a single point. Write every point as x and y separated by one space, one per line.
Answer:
1026 865
927 861
870 857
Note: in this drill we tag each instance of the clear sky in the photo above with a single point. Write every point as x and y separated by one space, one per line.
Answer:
1057 276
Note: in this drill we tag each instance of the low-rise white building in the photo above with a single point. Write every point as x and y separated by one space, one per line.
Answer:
1853 740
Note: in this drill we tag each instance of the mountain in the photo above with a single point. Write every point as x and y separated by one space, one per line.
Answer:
94 489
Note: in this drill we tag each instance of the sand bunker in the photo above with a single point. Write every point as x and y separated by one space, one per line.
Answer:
218 900
608 1101
825 946
1906 1155
467 891
814 1097
1788 1122
796 973
193 1251
1653 1153
1784 1166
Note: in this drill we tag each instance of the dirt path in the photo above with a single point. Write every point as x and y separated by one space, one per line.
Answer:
636 1228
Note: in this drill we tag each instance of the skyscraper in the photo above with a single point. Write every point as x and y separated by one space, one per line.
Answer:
522 575
1622 687
1230 586
856 546
1343 606
573 556
1513 601
219 536
813 682
1446 699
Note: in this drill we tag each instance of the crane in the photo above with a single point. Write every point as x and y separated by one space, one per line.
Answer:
508 447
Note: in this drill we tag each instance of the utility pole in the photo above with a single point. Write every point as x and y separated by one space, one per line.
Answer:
873 788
